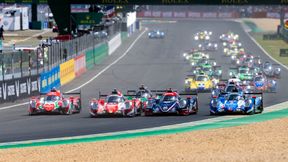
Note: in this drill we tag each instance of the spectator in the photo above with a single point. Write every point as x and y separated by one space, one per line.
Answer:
2 32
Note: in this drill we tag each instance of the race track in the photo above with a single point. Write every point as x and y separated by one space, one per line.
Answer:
156 63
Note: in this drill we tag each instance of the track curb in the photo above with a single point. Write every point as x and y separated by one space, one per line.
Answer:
95 138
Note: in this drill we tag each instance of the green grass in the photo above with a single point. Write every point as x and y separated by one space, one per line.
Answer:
272 47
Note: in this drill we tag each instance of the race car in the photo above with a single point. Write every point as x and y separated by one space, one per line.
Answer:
233 51
199 83
246 103
115 104
210 70
157 34
143 94
194 57
263 84
208 46
243 73
271 70
203 35
55 102
229 37
171 102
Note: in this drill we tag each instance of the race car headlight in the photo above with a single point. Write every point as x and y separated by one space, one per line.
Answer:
149 34
224 44
207 37
184 54
93 105
230 73
270 68
187 81
233 57
200 45
239 44
210 33
207 56
215 45
214 63
187 57
196 37
192 63
209 44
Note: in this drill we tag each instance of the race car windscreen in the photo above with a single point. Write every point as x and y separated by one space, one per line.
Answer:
113 99
52 98
168 98
244 71
201 78
233 97
259 79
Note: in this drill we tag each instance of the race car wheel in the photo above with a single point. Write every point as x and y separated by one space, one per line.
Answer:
252 112
67 112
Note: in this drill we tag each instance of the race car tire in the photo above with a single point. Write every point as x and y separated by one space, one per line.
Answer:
68 112
252 112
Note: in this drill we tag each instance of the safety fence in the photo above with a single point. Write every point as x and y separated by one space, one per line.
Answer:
27 72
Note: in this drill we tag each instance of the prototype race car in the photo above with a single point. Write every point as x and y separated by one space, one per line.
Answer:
199 83
115 104
270 70
157 34
170 102
263 84
229 37
143 94
55 102
246 103
243 73
203 35
208 46
195 56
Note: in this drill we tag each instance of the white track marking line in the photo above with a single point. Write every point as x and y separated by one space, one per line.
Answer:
113 63
92 79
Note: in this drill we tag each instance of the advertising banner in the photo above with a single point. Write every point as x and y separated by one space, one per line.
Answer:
194 14
156 14
80 65
147 14
14 89
49 80
225 14
167 14
209 15
67 72
179 14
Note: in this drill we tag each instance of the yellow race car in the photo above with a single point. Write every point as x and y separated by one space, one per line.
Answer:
200 83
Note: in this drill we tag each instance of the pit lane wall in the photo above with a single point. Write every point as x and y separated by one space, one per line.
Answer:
114 43
50 79
95 55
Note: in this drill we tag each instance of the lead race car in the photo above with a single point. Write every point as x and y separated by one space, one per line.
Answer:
171 102
115 104
246 103
54 101
156 34
203 35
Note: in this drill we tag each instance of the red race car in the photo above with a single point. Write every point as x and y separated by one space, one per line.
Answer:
115 104
54 101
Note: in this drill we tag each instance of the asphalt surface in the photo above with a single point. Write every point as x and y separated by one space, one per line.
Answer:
158 64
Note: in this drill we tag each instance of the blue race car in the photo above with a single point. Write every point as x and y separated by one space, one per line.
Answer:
157 34
170 102
263 84
237 103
